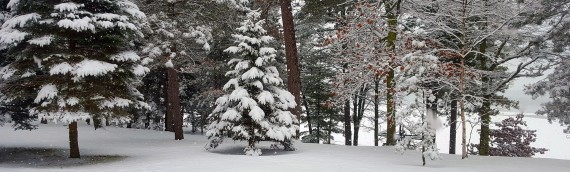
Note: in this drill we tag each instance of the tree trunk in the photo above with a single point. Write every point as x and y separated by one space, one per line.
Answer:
453 127
390 85
354 118
359 113
97 122
107 123
308 115
168 118
44 121
462 107
484 140
376 111
318 116
330 128
347 129
485 110
391 110
433 108
173 109
73 140
293 79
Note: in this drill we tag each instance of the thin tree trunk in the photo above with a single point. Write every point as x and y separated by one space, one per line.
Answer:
376 111
462 84
347 129
453 127
433 109
359 114
318 116
462 107
173 107
107 123
73 140
354 117
308 115
330 128
294 77
423 146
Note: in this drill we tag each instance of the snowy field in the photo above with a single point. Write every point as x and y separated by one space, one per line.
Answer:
157 151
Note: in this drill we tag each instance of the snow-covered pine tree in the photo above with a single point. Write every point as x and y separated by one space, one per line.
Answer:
74 59
257 107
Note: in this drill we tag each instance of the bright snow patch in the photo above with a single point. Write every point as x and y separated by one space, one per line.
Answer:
48 91
93 68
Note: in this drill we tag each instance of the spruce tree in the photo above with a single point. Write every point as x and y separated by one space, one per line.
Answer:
74 59
256 107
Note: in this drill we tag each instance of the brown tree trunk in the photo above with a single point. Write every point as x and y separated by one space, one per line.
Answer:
391 12
73 140
391 110
173 109
453 127
168 119
293 80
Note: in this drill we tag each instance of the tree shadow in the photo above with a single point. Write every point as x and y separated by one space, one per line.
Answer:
49 158
237 149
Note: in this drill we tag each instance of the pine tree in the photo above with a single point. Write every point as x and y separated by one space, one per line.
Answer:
74 59
257 107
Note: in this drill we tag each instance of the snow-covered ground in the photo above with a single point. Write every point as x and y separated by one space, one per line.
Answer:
157 151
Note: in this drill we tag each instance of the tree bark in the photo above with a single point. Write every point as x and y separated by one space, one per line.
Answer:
462 107
293 79
168 118
376 111
347 129
390 85
308 115
453 127
485 110
173 106
73 140
391 110
318 116
359 113
433 108
354 117
484 140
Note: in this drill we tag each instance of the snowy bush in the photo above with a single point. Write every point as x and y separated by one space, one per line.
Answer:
510 139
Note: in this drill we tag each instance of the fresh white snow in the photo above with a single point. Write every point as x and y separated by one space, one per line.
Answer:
157 151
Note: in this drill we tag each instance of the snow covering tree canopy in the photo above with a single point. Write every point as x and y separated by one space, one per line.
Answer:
72 58
256 107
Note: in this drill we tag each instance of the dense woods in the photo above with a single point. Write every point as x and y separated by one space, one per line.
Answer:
287 70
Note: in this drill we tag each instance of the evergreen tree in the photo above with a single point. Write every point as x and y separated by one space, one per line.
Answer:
257 107
74 59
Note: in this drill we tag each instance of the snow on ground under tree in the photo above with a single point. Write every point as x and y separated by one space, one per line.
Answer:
157 151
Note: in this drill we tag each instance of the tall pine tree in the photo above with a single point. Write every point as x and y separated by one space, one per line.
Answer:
74 59
257 107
